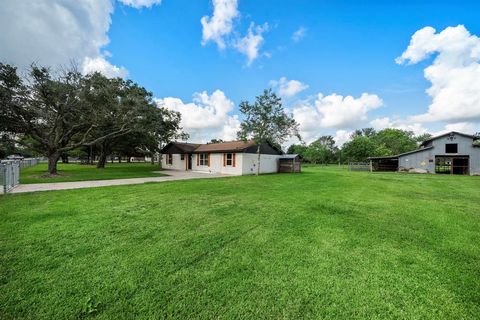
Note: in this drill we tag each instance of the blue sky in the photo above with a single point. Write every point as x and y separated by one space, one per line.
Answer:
346 48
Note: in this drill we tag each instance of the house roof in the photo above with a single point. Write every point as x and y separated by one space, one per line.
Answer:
447 134
401 154
225 146
229 146
183 146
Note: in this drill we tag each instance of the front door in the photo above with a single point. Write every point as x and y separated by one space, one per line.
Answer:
190 160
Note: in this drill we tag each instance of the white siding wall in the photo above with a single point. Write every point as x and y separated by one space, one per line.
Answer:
177 164
268 163
216 164
245 163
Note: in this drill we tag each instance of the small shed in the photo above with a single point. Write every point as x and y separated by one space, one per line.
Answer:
289 163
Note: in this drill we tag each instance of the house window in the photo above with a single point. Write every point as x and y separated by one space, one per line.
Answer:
229 159
451 148
182 157
203 159
169 159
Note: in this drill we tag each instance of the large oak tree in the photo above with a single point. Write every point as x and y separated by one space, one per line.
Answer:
53 113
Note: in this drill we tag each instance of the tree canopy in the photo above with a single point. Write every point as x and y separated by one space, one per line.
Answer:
266 121
56 112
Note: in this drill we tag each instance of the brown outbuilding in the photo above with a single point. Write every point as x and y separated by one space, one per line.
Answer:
289 163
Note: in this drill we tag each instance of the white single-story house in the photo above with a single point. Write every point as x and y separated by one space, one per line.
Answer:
233 157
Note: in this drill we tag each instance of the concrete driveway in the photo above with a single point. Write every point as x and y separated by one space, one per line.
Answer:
172 175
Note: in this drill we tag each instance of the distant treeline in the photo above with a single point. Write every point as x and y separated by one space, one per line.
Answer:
363 143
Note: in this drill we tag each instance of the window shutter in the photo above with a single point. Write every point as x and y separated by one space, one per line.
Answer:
224 159
198 159
234 156
209 159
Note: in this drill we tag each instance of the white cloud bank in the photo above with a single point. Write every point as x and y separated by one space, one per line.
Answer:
57 32
454 73
288 88
220 26
334 111
206 117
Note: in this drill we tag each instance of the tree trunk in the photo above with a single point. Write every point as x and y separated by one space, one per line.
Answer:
64 158
152 159
160 160
52 163
258 159
102 159
128 159
119 158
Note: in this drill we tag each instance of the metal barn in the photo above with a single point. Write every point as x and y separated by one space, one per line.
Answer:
449 153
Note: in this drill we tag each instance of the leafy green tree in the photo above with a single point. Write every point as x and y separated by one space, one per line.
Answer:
45 112
7 147
55 113
358 149
299 149
266 121
423 137
322 150
365 132
122 107
396 141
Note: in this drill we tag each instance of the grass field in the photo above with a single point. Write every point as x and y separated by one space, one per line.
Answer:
77 172
325 243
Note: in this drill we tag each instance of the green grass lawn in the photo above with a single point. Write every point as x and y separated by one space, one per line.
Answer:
78 172
325 243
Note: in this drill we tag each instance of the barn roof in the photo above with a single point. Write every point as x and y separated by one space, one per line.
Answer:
401 154
447 134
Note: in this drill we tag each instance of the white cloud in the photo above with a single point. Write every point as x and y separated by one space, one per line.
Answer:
341 136
57 32
299 34
454 73
219 28
334 111
101 65
385 122
140 3
206 117
288 88
53 32
464 127
251 43
220 24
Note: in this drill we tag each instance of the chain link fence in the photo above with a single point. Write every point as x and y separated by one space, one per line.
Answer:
10 172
